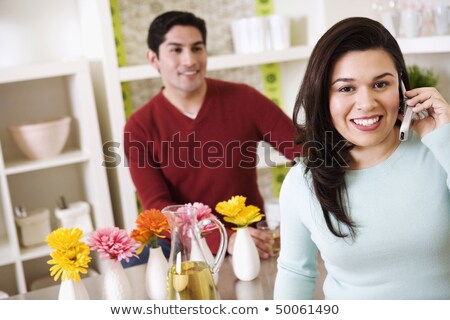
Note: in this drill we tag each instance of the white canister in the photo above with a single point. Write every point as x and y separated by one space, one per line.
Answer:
258 34
251 35
441 19
391 21
241 41
34 228
76 215
280 32
411 22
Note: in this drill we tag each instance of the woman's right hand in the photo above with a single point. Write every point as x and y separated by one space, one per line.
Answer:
431 100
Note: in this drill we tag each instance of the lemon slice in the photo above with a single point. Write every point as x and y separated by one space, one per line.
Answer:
180 282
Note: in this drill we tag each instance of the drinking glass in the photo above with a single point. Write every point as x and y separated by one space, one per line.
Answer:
271 227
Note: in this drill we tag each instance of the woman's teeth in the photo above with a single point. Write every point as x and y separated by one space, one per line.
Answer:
366 122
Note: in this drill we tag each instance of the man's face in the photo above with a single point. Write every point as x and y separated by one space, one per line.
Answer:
182 60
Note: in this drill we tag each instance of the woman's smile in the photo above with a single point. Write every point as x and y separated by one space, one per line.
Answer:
367 123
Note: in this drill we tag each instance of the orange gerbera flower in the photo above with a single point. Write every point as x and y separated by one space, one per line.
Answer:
150 225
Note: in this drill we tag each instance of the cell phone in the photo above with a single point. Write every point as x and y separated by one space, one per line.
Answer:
407 116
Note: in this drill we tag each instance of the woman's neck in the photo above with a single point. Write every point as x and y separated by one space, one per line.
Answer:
366 157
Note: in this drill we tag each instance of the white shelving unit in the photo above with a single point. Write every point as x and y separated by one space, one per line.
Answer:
38 91
319 15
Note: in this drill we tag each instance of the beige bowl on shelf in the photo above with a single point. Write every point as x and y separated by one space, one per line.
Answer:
41 139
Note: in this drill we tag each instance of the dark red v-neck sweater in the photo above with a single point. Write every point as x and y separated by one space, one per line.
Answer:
174 159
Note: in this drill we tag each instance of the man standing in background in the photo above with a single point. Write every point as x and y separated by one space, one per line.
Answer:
196 140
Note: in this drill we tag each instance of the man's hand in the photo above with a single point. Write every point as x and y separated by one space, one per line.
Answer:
260 238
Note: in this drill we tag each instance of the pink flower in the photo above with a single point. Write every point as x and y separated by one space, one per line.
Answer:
113 243
203 212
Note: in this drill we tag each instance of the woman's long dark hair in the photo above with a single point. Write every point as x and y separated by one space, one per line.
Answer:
326 151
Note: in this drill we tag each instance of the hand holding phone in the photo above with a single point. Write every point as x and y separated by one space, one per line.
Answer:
408 116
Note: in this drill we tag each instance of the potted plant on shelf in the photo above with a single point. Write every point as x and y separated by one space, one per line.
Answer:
421 77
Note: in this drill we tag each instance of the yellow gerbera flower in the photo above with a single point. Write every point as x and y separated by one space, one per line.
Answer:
231 207
236 212
71 256
64 239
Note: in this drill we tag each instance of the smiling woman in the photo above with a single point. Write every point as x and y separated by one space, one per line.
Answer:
377 210
364 102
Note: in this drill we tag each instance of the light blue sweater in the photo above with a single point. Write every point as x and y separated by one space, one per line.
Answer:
402 247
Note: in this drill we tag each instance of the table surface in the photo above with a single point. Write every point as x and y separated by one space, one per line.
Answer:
229 287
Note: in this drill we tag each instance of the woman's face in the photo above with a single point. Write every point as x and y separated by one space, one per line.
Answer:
364 97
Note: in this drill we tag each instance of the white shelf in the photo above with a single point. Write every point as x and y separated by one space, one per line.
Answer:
35 252
142 72
66 158
425 45
39 71
420 45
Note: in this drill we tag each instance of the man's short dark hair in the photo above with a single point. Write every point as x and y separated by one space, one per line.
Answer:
164 22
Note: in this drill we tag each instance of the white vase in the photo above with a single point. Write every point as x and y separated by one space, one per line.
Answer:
246 263
156 275
116 285
72 290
